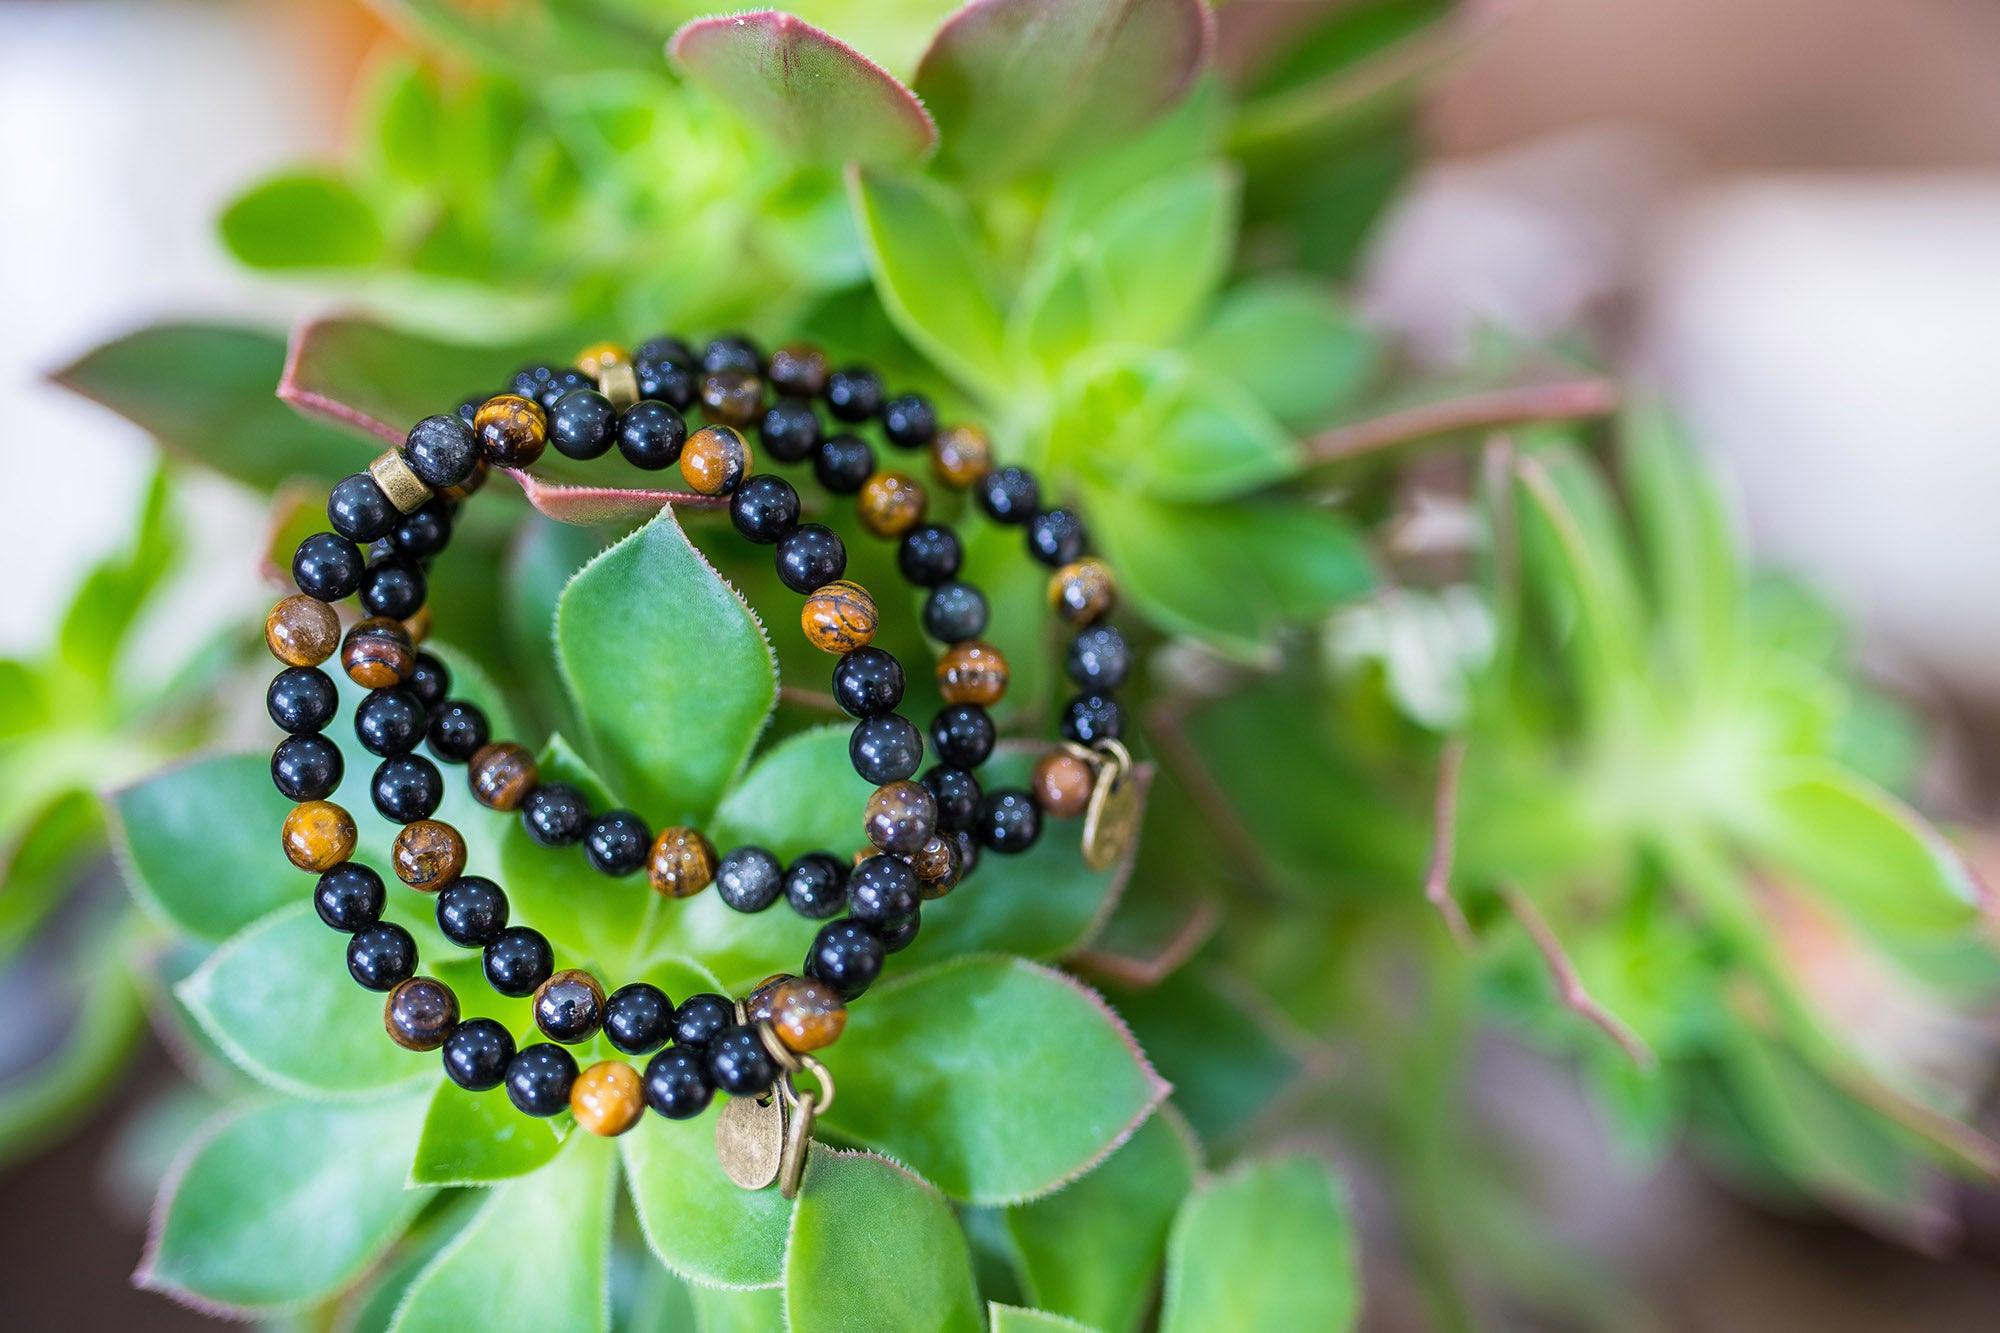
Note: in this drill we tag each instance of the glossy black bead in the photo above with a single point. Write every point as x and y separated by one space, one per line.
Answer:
556 814
638 1018
1009 821
854 394
617 842
909 421
429 681
1098 659
477 1053
357 509
816 886
885 749
518 960
457 731
1008 495
530 380
962 735
394 588
867 682
790 430
846 955
666 349
539 1079
883 889
442 451
302 699
700 1017
472 911
732 352
307 767
969 852
958 797
349 897
765 508
844 463
899 935
382 956
809 557
665 379
739 1063
389 722
1090 718
1056 537
468 407
327 566
424 532
955 612
650 435
929 555
583 424
560 386
749 878
677 1083
569 1009
407 788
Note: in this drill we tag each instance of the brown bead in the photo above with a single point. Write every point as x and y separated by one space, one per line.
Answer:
319 835
377 653
569 1006
972 672
607 1099
757 1005
512 430
418 626
429 854
302 631
471 484
839 617
961 455
807 1014
939 865
890 504
799 369
900 816
733 398
715 460
420 1014
682 864
501 774
1082 592
1061 784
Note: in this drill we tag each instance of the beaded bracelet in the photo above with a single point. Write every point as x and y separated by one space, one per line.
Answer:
405 502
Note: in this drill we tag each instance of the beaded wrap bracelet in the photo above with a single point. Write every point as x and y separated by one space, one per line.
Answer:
926 836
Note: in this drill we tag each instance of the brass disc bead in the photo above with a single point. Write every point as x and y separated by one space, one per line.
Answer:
377 653
420 1014
939 865
715 460
733 398
900 816
608 1098
501 775
594 359
972 672
1061 784
961 455
318 835
1083 591
807 1015
839 617
512 430
682 863
429 854
302 631
890 504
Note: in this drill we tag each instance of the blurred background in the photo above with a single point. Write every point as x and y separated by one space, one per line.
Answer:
1783 214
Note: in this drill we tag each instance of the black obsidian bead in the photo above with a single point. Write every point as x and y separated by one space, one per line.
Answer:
854 394
569 1007
958 797
700 1017
844 463
749 878
468 407
583 424
457 731
617 841
1098 659
442 450
1008 495
349 897
472 912
327 566
556 814
407 788
1056 537
816 886
560 385
739 1063
909 421
302 700
886 748
1090 718
1009 821
477 1053
677 1083
382 956
962 735
867 682
539 1079
422 533
846 955
429 681
732 352
765 508
955 612
530 380
883 889
650 434
389 722
810 557
638 1018
899 935
969 852
518 960
394 588
790 430
357 509
929 555
307 767
667 384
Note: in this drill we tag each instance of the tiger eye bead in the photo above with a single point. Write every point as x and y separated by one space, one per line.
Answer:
807 1015
972 672
512 430
1082 591
377 653
799 369
429 854
569 1006
939 866
715 460
302 631
608 1098
502 774
318 835
890 504
1061 784
420 1014
961 456
682 863
900 816
839 617
733 397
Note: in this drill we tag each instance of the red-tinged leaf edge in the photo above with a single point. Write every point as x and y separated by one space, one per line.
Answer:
1198 922
590 506
294 391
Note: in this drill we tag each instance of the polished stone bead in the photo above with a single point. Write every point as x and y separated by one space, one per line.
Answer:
302 631
1091 718
472 911
560 385
318 835
749 879
890 504
651 435
854 394
733 398
715 460
1061 784
443 450
957 795
539 1079
428 855
638 1018
887 748
1098 659
377 653
569 1006
732 352
429 681
394 588
1056 537
327 566
807 1015
1009 821
960 456
1082 592
666 370
843 463
1009 495
682 862
701 1017
389 722
846 955
517 961
816 886
799 369
502 774
458 731
810 557
900 816
963 735
357 509
476 1054
421 534
406 789
882 889
970 850
739 1063
608 1098
972 672
900 935
382 956
583 424
420 1014
790 430
929 555
349 897
867 682
937 865
839 617
677 1083
616 843
556 814
306 768
512 430
954 612
765 509
910 421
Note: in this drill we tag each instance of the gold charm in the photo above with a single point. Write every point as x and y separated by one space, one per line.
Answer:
804 1108
1111 820
750 1140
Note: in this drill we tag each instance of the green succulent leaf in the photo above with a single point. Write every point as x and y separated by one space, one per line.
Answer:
476 1138
302 220
1014 1319
587 915
1269 1245
699 1222
732 1310
1165 426
801 795
380 381
113 593
1291 343
201 847
872 1246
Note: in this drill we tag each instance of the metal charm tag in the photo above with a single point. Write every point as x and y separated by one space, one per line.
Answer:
1111 820
750 1140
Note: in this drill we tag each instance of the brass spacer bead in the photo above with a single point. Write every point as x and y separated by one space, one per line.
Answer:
405 489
